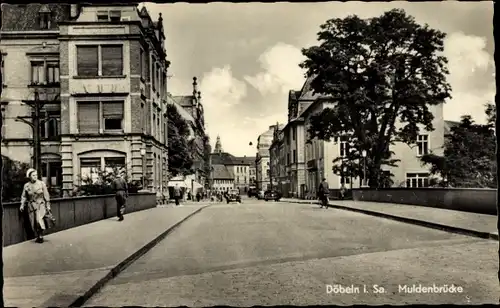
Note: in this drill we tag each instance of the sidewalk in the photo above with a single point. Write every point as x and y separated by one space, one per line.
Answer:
455 221
70 262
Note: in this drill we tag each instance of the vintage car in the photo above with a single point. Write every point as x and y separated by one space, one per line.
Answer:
233 196
272 195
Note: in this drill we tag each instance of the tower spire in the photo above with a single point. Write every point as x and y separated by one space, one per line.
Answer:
218 146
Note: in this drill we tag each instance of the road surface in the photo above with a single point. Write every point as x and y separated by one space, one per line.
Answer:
268 253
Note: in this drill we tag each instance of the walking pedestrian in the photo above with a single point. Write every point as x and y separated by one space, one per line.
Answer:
120 188
36 198
177 194
323 192
342 192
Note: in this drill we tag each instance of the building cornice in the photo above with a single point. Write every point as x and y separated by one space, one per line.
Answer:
101 37
29 35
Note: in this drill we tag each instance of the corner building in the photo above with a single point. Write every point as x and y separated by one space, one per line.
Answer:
109 101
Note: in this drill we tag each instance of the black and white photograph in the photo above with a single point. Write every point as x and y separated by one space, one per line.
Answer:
166 154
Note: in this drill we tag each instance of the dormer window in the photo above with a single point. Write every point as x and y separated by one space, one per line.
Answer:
44 21
113 16
44 17
102 16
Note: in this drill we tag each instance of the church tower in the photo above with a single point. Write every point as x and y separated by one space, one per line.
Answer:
218 146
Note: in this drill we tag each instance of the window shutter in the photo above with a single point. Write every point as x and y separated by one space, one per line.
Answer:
112 110
87 60
112 60
88 117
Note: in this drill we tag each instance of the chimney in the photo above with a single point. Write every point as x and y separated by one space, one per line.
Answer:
195 86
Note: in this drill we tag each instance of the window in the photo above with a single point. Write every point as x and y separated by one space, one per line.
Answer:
93 61
114 164
417 180
294 156
102 16
89 170
294 132
51 127
153 126
3 70
90 120
141 62
37 75
153 81
53 72
87 58
422 145
343 146
288 158
112 60
43 72
112 115
115 16
44 18
52 173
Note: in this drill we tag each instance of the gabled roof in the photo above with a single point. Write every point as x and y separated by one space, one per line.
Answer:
221 172
184 100
448 125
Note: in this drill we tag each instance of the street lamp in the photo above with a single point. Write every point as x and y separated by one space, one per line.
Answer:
363 153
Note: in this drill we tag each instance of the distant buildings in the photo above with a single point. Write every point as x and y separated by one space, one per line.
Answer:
239 167
101 71
297 167
262 161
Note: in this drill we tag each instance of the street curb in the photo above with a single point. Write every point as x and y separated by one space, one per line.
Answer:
81 300
422 223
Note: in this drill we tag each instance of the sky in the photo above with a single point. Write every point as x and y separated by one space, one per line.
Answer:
246 57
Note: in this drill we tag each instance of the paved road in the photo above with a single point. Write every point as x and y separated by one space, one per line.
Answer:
266 253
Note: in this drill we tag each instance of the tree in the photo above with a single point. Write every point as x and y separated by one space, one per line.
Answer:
469 158
380 72
180 160
491 114
15 172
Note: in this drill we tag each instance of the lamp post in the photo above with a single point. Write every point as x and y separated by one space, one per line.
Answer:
363 153
143 155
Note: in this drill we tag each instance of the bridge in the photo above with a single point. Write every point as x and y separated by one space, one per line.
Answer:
290 252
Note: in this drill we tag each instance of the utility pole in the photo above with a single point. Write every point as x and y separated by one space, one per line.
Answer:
34 121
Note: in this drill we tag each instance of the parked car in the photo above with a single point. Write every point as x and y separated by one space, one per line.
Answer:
233 196
272 195
252 192
260 195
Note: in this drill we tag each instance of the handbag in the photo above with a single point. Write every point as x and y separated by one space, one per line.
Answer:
49 219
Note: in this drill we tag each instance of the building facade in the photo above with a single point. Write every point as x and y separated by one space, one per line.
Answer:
306 164
223 179
101 72
242 168
262 160
277 158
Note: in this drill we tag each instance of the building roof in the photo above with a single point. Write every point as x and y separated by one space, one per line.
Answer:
221 158
221 172
448 125
230 160
184 100
184 114
25 17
